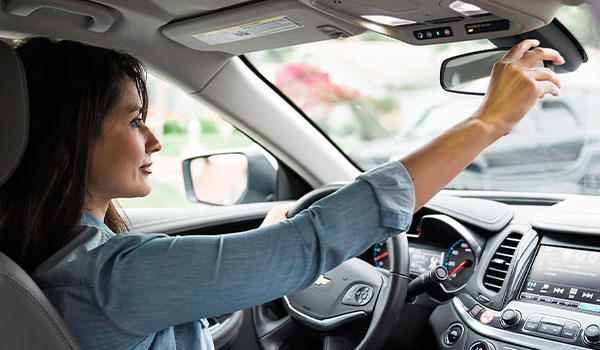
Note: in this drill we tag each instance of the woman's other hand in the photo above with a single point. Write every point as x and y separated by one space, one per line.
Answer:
276 214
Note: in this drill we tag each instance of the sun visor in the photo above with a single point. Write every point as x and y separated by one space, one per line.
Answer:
260 26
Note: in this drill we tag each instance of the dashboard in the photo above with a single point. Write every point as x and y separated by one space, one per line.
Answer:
520 276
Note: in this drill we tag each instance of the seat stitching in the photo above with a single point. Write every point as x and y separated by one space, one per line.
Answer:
60 331
25 114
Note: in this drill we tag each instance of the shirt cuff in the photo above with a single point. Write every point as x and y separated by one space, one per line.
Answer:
395 193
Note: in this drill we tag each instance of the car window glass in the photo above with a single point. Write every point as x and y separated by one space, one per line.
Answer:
186 128
379 99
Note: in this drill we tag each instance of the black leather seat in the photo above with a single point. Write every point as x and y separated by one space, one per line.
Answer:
27 319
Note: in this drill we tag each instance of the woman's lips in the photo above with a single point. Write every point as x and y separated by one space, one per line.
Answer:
146 168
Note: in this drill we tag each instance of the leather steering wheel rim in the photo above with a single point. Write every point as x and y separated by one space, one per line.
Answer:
392 296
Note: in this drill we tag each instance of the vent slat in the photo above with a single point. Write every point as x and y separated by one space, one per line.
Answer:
497 270
492 286
501 279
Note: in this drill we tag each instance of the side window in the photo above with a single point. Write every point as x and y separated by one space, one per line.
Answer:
186 128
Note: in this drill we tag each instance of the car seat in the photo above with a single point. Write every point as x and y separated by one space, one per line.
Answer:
27 319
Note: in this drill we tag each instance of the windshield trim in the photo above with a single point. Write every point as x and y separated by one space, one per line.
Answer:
249 64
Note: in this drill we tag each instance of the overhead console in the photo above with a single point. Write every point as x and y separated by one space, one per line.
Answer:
552 298
433 21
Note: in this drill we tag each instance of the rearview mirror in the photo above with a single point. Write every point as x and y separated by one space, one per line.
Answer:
470 73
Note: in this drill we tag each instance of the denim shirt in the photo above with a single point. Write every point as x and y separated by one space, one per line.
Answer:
153 291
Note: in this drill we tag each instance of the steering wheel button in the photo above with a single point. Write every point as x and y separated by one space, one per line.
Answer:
358 295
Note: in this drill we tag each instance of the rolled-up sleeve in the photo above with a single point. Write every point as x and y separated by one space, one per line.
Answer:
395 193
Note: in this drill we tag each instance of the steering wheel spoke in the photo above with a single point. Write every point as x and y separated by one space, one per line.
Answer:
345 295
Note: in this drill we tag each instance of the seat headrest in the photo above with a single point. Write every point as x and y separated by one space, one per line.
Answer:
14 115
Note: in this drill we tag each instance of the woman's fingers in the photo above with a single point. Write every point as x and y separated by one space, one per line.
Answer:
547 87
517 51
545 74
539 54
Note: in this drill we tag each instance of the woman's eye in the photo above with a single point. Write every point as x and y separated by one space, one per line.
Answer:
136 122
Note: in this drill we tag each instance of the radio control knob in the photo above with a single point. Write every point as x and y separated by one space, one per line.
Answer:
510 318
482 345
591 335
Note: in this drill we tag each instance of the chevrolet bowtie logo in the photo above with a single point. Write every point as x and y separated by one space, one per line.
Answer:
322 281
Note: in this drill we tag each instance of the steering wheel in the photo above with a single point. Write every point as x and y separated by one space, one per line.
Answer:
340 298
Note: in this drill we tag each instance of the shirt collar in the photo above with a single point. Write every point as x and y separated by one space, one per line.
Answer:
90 219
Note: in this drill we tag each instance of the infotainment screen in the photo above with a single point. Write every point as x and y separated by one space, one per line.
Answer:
565 276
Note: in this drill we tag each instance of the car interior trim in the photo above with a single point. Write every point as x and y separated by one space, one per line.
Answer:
326 323
489 215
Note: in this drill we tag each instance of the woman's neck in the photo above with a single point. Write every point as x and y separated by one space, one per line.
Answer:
98 208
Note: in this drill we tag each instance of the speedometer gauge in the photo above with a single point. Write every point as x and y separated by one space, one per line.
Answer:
460 263
380 256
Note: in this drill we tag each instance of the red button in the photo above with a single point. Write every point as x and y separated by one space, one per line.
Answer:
475 310
486 317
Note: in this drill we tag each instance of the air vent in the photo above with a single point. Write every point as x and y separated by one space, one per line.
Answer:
498 267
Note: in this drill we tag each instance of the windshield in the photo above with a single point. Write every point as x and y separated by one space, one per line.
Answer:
379 99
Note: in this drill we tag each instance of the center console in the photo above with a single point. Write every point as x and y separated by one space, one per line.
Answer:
549 300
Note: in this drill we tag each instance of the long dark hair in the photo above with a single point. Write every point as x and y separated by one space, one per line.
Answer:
72 88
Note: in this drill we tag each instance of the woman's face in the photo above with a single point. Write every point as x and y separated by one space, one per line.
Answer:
122 155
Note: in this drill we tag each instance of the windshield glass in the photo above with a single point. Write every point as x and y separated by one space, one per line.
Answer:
379 99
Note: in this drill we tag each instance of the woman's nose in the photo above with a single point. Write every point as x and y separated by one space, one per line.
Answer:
152 143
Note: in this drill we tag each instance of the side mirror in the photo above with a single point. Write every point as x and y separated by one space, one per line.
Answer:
229 178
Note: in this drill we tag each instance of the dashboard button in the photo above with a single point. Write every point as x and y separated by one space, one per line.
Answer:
567 333
572 326
483 298
531 326
592 334
549 328
481 345
475 310
453 334
549 300
510 318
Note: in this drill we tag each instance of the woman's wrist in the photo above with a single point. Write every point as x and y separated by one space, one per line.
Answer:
493 126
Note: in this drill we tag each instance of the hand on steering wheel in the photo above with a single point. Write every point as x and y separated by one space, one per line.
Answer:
351 292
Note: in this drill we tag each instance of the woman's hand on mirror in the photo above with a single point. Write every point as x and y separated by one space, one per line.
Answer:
515 85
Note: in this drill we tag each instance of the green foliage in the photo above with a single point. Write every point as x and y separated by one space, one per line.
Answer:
386 104
173 127
279 55
208 126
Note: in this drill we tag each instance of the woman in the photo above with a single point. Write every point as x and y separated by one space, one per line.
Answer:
89 144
